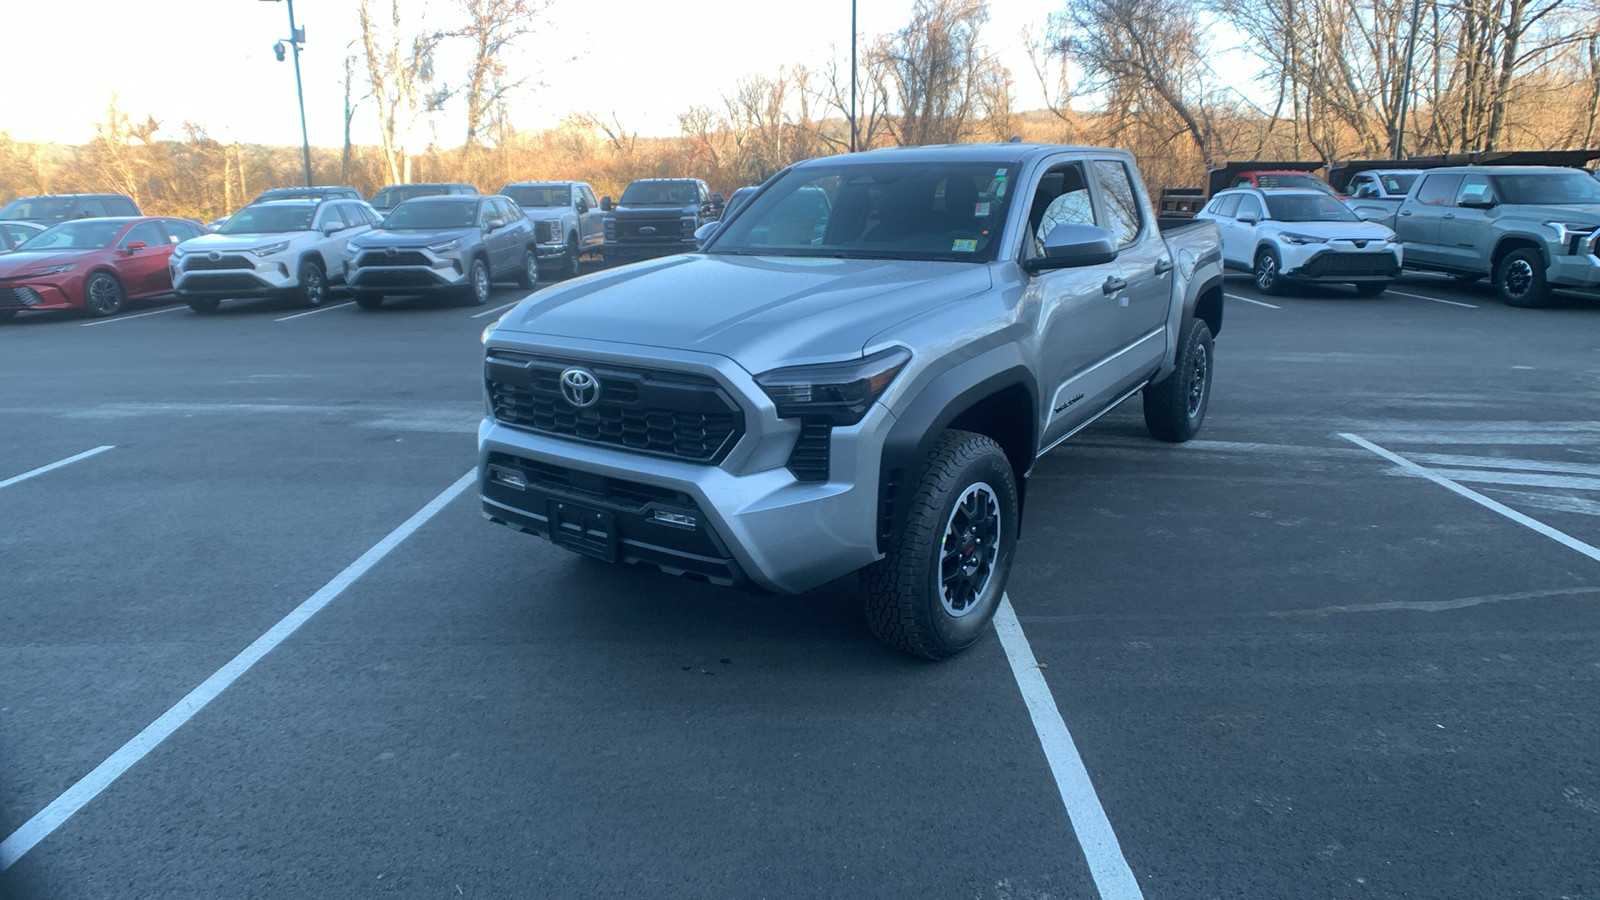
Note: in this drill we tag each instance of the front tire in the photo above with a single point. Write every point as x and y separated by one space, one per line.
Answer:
572 263
478 284
1175 407
313 284
528 278
936 591
1519 280
1268 272
103 295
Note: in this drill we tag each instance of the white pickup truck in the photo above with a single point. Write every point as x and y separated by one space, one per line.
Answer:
567 221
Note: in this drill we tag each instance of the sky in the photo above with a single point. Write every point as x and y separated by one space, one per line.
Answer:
210 62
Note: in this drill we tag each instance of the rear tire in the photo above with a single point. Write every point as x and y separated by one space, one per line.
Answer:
368 300
1268 272
936 591
103 295
313 285
205 306
1175 407
1372 288
1519 280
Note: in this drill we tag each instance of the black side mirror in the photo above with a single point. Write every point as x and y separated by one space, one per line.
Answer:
704 233
583 206
606 205
1072 247
1477 203
717 201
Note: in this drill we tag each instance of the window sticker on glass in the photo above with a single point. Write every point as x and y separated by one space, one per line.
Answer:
965 246
980 209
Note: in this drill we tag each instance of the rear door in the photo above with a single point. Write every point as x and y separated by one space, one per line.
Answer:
591 219
1145 297
1417 223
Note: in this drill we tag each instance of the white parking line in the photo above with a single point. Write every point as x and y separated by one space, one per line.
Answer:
1107 866
490 312
1248 300
312 312
55 465
1434 299
1560 537
104 775
155 312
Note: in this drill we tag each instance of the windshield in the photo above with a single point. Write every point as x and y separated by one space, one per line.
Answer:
1397 185
1292 180
37 208
1548 188
85 234
661 193
1308 208
269 220
531 197
933 211
390 197
432 215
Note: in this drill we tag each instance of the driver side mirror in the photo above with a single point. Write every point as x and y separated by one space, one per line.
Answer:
1074 246
331 229
493 224
1477 201
717 201
135 246
1249 218
606 205
583 206
705 233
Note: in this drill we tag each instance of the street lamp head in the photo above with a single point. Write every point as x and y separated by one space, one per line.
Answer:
278 51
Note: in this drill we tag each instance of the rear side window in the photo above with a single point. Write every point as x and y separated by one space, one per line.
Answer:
148 232
121 206
1229 205
1438 190
178 232
91 208
1124 216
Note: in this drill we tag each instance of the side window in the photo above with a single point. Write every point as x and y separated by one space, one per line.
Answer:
1229 205
1438 190
1475 189
121 206
148 232
588 196
1061 199
1123 215
330 216
488 210
1248 206
513 212
1241 181
91 208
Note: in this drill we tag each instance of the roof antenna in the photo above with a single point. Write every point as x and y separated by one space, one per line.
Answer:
1015 139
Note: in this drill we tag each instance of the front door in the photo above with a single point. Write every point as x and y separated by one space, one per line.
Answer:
1417 223
144 271
1463 226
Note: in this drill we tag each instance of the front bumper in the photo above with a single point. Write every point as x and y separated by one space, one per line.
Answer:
409 269
752 520
234 275
39 295
1577 270
1344 266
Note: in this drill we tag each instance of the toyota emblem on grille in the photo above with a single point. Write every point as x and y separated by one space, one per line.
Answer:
213 255
580 387
391 251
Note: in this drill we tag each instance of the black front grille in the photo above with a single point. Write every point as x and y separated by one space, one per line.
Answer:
205 263
399 258
808 461
19 298
670 414
395 278
222 283
660 229
1332 263
630 494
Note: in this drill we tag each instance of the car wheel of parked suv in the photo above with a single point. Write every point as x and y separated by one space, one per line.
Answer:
1372 288
103 295
313 284
478 285
1175 407
368 300
1519 279
529 277
936 591
1268 279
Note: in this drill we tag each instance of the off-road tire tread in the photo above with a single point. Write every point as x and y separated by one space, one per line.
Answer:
1166 403
1541 293
890 587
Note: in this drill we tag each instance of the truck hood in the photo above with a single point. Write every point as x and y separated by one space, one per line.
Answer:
761 312
410 239
545 213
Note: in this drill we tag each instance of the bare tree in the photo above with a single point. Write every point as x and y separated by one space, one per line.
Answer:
941 76
492 27
400 73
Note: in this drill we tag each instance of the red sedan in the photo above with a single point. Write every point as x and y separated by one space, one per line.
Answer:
93 264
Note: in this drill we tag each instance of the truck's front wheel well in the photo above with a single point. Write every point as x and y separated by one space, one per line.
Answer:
1208 309
1506 247
1006 417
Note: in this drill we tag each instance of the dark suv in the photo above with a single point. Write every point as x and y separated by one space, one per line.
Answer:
53 208
657 217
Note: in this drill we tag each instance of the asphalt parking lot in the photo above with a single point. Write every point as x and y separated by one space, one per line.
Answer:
1345 644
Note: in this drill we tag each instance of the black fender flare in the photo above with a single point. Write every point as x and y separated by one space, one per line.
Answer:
931 411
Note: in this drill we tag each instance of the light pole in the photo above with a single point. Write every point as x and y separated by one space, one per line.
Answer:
1405 81
297 36
852 76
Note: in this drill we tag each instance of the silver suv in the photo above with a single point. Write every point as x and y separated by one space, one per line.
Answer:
452 245
277 248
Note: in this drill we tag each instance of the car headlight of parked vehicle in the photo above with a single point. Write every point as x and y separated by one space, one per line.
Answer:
445 246
841 393
1570 233
1289 237
54 270
270 249
178 252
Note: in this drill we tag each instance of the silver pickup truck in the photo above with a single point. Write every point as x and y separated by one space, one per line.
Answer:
804 399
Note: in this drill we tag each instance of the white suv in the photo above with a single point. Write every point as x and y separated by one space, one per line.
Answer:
1288 236
278 248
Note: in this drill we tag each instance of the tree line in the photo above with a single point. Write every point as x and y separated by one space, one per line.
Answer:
1139 74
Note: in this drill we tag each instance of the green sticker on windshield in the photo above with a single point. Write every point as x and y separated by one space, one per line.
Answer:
965 246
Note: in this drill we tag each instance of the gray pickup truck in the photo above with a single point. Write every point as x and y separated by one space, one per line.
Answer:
1530 228
567 222
804 399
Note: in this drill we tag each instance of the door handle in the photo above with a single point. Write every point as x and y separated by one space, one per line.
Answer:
1405 212
1112 285
1163 266
1448 216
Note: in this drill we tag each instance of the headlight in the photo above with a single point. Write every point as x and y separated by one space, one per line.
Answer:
484 338
270 249
350 251
178 252
841 393
1569 233
1292 238
54 270
443 246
